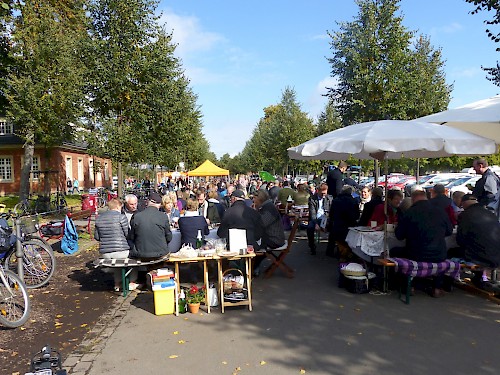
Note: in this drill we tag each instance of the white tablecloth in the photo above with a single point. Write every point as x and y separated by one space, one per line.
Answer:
371 243
175 244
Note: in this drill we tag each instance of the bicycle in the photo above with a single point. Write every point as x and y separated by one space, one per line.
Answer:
38 259
14 300
57 202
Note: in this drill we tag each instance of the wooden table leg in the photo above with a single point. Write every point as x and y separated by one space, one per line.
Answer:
177 286
205 277
248 268
221 284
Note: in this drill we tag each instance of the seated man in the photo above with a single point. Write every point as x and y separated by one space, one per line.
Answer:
424 226
440 199
150 230
111 230
344 213
284 193
368 208
240 216
478 233
394 199
319 209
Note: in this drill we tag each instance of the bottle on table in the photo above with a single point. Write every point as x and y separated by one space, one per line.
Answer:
199 240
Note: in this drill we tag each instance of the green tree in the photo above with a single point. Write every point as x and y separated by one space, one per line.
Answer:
5 47
380 73
284 125
45 81
144 109
328 120
490 5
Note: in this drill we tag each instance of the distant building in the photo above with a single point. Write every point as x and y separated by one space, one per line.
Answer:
52 165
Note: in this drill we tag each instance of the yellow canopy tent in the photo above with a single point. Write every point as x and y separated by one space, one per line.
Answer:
208 169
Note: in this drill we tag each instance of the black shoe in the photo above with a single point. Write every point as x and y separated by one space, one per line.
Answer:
313 251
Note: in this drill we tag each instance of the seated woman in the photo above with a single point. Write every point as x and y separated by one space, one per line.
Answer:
394 198
191 223
215 209
369 206
169 207
111 230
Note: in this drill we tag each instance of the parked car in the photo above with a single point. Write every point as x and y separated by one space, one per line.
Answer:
421 180
461 184
401 184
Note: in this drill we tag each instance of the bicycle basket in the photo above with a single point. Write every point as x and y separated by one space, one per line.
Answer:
29 224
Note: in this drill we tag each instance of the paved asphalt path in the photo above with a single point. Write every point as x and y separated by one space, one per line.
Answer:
301 325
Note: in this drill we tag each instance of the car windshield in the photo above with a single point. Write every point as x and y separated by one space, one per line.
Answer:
425 179
457 182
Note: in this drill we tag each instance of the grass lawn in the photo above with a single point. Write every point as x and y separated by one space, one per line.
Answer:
11 200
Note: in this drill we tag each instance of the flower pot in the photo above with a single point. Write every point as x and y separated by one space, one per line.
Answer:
193 307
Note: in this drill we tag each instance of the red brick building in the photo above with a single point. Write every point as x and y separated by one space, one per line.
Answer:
51 166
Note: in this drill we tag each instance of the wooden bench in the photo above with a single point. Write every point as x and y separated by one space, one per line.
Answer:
82 214
412 269
126 265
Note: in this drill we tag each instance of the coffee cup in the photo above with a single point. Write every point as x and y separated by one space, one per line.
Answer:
373 224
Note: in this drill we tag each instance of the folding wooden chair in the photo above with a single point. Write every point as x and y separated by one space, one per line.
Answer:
278 255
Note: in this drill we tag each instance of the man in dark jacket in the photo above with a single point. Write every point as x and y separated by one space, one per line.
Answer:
240 216
150 230
440 199
487 189
424 226
478 233
369 207
319 208
334 179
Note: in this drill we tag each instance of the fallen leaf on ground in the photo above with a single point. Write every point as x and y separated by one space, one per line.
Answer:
59 316
176 332
302 371
182 342
173 356
224 362
262 363
84 325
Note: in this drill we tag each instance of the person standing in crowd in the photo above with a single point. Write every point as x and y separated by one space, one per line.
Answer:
487 189
424 226
273 188
319 208
215 209
111 230
334 179
69 185
456 202
76 185
150 231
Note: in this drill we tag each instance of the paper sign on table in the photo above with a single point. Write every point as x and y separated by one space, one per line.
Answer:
237 239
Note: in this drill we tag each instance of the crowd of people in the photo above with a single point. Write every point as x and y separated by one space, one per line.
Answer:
333 207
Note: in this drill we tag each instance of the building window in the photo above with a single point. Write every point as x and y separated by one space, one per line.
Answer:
35 168
80 169
5 169
5 128
91 170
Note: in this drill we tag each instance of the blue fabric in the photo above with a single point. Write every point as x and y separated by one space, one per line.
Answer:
69 242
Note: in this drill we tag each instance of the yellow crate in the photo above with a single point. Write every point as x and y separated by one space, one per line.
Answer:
164 300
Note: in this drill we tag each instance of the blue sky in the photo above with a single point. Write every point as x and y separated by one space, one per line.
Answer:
240 56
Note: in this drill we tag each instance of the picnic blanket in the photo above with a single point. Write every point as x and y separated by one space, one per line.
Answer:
425 269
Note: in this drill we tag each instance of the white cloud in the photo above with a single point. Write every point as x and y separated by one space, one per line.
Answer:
189 34
316 101
445 29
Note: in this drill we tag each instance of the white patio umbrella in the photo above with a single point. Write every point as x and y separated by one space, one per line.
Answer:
392 139
481 117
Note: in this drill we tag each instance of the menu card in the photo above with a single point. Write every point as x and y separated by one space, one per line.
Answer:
237 239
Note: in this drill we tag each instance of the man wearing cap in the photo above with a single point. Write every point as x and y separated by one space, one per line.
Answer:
241 216
150 230
478 233
487 189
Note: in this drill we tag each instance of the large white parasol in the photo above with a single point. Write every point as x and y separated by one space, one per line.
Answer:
481 117
392 139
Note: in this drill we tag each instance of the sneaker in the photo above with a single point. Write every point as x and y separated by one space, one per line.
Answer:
133 286
116 289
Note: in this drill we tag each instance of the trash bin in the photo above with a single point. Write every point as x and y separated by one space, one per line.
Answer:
111 195
88 202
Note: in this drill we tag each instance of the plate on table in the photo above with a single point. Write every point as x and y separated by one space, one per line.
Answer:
363 229
236 296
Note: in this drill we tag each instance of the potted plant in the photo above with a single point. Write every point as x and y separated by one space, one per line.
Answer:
194 297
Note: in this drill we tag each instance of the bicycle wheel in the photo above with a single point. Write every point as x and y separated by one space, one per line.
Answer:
39 263
14 301
21 209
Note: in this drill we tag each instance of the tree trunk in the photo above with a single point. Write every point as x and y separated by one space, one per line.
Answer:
29 150
120 180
